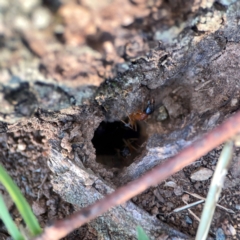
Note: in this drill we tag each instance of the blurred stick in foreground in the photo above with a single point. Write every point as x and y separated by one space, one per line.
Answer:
153 177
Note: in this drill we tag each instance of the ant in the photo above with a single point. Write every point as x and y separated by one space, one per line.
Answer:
139 115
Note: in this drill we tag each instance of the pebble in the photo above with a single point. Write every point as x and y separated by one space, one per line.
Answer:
21 146
38 208
213 120
178 191
21 23
202 174
162 114
158 196
220 234
123 67
188 220
232 230
170 184
185 197
237 206
28 5
154 210
41 18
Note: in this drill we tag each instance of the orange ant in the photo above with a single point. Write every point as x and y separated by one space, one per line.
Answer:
139 115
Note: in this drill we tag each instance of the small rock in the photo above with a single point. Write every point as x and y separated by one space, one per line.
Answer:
38 208
158 195
21 146
21 23
154 210
162 237
162 114
167 193
178 190
231 230
123 67
237 206
213 120
170 206
144 202
41 18
185 198
202 174
237 140
28 5
134 199
220 234
188 220
151 203
234 102
170 184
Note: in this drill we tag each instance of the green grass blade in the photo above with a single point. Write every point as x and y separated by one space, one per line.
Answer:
141 235
21 203
8 222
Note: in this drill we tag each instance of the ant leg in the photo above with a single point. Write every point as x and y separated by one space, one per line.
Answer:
132 123
129 145
126 124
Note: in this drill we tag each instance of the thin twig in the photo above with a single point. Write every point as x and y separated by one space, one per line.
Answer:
153 177
40 186
192 213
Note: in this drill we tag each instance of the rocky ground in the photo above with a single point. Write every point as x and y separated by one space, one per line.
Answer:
72 69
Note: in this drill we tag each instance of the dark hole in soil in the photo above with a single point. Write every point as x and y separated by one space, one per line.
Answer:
116 144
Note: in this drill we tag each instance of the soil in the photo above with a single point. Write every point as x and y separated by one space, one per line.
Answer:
77 76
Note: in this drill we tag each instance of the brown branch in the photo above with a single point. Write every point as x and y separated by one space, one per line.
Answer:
199 148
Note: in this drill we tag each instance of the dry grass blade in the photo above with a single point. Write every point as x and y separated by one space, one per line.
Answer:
195 195
192 213
187 206
215 190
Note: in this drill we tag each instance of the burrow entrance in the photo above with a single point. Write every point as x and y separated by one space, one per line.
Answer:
117 145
